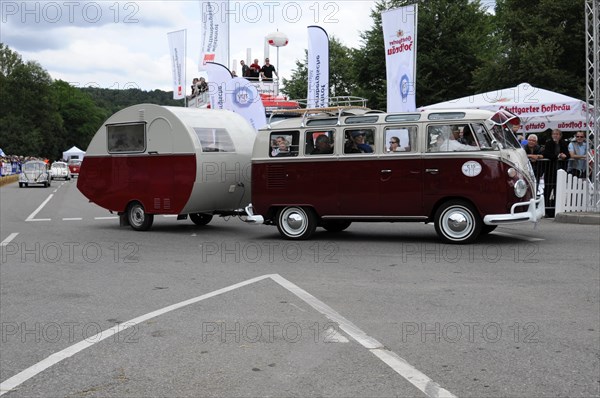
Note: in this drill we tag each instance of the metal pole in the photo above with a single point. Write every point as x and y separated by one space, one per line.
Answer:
592 80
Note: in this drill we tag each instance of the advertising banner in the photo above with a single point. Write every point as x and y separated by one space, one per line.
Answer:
215 33
177 49
400 39
234 94
218 77
318 68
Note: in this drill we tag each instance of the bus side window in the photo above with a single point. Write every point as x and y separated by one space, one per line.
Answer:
283 144
400 139
319 143
359 141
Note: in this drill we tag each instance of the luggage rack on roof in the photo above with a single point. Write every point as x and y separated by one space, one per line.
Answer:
342 106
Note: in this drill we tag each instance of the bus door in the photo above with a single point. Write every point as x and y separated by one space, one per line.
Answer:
359 173
401 173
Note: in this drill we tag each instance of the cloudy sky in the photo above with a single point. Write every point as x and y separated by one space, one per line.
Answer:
121 44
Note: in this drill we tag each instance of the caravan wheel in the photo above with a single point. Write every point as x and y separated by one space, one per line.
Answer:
138 218
200 218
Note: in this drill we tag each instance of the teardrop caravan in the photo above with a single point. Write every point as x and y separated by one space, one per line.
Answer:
149 159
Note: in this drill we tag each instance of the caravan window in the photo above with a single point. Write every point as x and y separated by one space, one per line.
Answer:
124 138
214 140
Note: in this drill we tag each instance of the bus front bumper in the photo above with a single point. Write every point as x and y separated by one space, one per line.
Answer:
535 212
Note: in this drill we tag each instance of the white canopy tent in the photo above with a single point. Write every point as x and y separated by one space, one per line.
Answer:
73 153
537 108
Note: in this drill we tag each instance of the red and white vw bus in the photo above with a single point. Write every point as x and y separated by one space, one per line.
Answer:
463 170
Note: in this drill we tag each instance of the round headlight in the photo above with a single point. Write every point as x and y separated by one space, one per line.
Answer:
511 172
520 188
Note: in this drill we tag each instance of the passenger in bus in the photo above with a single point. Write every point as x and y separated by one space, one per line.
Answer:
322 146
356 143
282 147
395 145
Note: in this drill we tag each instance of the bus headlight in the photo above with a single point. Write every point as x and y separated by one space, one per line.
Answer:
511 172
520 188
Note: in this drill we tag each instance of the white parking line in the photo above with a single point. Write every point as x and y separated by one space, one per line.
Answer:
398 364
107 218
72 219
8 239
36 211
55 358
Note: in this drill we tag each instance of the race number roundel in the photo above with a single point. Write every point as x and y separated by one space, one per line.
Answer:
471 168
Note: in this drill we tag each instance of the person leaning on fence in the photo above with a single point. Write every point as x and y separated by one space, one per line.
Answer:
578 153
534 153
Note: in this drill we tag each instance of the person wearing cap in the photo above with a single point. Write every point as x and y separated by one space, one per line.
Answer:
356 143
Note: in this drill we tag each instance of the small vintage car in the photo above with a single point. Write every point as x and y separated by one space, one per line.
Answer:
60 170
34 172
74 166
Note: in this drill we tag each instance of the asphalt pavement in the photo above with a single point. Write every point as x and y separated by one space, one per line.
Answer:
92 309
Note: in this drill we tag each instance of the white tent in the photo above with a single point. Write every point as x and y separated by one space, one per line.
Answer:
537 108
73 153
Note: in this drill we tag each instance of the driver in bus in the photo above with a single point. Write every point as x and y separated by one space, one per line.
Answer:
451 142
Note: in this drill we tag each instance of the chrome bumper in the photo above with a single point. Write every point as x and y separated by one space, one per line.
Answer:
535 212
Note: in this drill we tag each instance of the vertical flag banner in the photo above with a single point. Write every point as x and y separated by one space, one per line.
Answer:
318 68
400 39
177 47
215 32
218 77
243 98
234 94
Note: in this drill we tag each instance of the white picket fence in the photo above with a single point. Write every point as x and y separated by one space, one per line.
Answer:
572 193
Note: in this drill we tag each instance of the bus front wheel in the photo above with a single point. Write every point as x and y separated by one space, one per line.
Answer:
296 223
457 221
138 218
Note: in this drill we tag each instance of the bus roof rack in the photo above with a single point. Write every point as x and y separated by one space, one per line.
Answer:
340 106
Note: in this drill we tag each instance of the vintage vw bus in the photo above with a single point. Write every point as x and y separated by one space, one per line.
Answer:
463 170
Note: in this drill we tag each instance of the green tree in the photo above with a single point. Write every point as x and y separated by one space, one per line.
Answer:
542 43
81 116
31 124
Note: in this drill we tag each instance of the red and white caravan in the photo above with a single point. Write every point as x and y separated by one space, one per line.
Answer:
149 159
463 170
